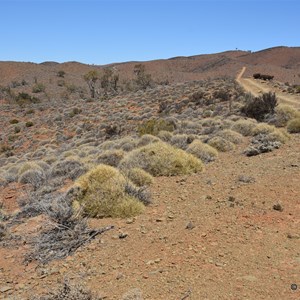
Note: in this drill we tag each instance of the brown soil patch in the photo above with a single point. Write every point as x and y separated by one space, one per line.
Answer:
237 247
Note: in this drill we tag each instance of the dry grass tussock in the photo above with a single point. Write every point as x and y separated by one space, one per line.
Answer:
161 159
104 192
203 151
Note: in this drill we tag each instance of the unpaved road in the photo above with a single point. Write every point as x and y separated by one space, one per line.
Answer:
257 87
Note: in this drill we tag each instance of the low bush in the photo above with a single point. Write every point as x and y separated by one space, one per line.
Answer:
111 157
221 144
283 114
147 139
165 136
263 128
231 136
154 126
203 151
259 107
14 121
69 292
31 165
244 127
103 194
139 177
35 177
29 124
161 159
68 168
293 126
38 88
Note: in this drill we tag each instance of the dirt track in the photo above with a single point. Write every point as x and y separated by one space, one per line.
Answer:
257 87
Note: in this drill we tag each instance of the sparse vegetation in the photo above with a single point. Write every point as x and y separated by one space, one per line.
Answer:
259 107
102 193
203 151
154 126
293 126
91 78
221 144
38 88
139 177
161 159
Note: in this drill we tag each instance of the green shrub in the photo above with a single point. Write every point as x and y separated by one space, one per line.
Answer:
221 144
14 121
24 98
203 151
139 177
293 126
38 88
103 194
259 107
154 126
29 124
161 159
61 73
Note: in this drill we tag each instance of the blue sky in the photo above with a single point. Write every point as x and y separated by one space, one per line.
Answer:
103 31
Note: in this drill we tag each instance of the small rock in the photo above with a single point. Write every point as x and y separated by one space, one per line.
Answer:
5 289
218 264
278 207
123 235
158 220
190 225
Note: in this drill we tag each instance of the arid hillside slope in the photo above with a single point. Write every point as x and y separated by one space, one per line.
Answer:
282 62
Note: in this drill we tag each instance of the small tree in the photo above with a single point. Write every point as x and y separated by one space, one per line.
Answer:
143 79
109 80
91 78
61 73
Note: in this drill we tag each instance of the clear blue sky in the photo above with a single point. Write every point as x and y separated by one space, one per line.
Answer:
101 32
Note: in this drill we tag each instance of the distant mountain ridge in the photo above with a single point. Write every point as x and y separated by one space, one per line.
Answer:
282 62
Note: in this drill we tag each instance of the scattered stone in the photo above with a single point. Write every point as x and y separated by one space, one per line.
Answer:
278 207
5 289
293 236
190 225
158 220
134 294
123 235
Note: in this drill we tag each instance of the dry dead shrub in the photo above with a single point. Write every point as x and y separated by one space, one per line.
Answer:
69 292
161 159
